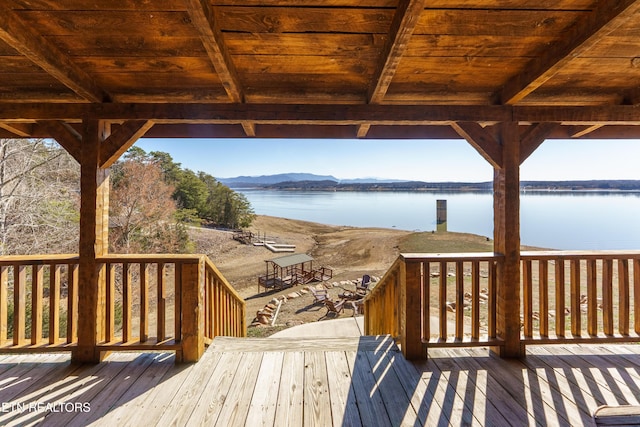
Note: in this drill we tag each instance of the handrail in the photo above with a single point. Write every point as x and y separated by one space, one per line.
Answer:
161 302
566 296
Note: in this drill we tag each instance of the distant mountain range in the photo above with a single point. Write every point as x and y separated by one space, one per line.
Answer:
262 180
307 181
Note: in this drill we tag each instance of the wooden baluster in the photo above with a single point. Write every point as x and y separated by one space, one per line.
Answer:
592 297
19 303
144 302
623 296
110 302
576 315
37 279
127 302
636 295
72 303
607 296
207 282
217 309
426 301
543 273
443 301
475 300
527 295
177 311
492 303
560 296
4 303
161 316
54 303
459 300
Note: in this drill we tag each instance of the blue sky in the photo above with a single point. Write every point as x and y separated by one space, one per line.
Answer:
424 160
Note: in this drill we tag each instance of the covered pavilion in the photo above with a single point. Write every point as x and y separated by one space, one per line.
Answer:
505 76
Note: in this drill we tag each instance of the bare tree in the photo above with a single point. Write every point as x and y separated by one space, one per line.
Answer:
39 198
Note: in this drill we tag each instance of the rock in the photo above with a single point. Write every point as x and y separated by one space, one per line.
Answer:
293 295
294 322
264 320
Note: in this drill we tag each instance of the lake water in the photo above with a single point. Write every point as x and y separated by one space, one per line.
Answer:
558 220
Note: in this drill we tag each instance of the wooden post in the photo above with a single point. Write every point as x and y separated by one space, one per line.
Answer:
94 242
506 208
410 315
192 311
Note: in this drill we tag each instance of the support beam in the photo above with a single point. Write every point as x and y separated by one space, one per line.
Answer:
94 242
323 114
121 140
506 231
65 135
23 130
584 130
47 56
533 137
482 140
604 18
249 128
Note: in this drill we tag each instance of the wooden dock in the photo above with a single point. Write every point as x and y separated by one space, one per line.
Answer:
325 381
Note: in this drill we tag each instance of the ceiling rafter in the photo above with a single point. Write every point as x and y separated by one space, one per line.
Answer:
404 22
47 56
203 17
604 18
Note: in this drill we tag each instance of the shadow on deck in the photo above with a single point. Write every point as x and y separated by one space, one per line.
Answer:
323 381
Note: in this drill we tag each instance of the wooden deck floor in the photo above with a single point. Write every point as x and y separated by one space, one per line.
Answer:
332 381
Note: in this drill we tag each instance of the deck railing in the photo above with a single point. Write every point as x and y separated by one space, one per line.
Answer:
446 300
149 302
38 302
436 300
586 296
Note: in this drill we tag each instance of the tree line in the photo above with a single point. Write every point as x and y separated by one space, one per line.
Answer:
153 201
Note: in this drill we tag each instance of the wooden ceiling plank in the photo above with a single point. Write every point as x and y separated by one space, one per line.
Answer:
482 140
533 137
203 18
404 22
606 17
121 139
64 135
47 56
23 130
